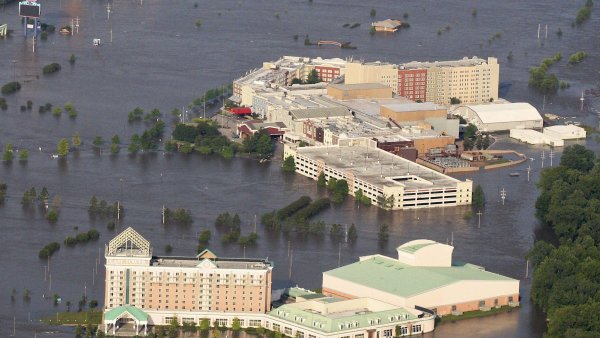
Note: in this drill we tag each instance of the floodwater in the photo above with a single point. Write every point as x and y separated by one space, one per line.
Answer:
158 58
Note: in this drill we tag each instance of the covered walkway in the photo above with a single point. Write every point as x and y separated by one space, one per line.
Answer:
126 316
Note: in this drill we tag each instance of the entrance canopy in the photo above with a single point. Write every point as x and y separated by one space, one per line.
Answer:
112 317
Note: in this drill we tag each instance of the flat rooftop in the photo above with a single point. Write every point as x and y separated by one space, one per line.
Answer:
464 62
359 86
378 167
221 263
371 107
406 107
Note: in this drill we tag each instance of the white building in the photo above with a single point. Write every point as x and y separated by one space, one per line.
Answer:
566 132
424 275
502 116
314 315
381 175
535 137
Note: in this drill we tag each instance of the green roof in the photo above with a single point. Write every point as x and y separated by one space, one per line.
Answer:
335 322
136 313
299 292
391 276
414 248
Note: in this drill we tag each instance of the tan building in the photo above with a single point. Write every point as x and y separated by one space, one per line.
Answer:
472 80
424 275
189 288
412 112
359 91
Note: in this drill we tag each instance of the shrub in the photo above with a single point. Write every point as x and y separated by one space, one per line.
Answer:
11 87
51 68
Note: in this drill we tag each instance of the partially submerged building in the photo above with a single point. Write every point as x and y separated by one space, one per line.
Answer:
314 315
144 289
502 116
424 275
380 175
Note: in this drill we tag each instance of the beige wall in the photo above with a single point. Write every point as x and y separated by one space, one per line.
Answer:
468 293
190 289
416 115
363 93
424 144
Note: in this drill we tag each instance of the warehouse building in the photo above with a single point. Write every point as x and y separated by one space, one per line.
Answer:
502 116
388 180
424 275
565 132
531 136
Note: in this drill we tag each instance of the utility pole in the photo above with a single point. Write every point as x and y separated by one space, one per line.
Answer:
479 213
539 27
163 214
551 156
528 171
291 262
108 10
503 195
543 157
118 211
527 269
289 248
72 26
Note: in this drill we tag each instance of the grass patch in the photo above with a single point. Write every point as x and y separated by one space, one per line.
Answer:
475 314
74 318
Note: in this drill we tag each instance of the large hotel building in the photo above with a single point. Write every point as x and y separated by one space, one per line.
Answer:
189 288
472 80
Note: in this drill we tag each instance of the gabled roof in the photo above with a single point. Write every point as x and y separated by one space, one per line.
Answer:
129 242
391 276
118 312
206 254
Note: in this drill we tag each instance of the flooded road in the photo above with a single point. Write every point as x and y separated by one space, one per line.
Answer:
158 58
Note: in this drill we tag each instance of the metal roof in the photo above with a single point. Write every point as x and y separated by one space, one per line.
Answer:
118 312
391 276
506 112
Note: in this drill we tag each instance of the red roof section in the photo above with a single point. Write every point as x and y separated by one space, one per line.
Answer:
241 111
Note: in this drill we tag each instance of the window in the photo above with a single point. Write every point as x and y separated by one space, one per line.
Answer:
481 303
403 330
453 307
387 333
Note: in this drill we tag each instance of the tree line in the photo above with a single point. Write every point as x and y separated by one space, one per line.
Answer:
566 277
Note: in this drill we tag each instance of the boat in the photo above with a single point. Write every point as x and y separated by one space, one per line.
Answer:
514 174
